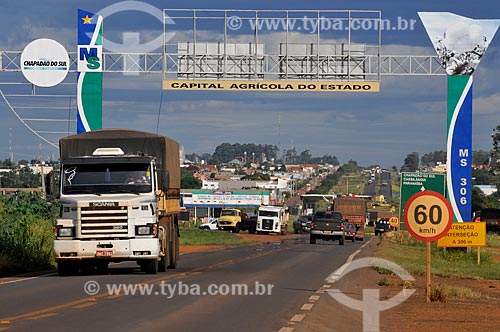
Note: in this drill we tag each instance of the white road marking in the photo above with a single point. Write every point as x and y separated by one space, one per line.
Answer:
26 279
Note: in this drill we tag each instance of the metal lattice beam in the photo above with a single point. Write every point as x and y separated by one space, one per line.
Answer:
397 65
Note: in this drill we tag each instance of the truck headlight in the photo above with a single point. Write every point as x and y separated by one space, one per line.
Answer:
150 229
65 231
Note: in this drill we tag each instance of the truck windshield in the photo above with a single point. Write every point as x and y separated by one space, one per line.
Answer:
264 213
106 179
228 213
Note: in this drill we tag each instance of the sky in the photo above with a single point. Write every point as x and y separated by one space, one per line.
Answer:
407 115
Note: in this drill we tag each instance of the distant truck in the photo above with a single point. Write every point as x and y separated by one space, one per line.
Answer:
119 196
327 225
491 216
353 209
271 220
377 215
236 220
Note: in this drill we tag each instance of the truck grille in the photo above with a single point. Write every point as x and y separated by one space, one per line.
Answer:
267 224
104 222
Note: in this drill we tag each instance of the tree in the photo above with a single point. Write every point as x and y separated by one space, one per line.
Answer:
350 167
227 151
495 154
8 163
290 156
305 157
482 176
411 163
433 158
190 182
481 157
479 199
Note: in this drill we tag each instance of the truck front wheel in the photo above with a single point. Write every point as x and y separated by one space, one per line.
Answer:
151 267
67 268
312 239
237 228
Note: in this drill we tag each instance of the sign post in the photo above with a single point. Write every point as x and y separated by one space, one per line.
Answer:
428 216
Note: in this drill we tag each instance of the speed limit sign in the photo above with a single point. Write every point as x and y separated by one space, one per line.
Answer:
394 221
428 216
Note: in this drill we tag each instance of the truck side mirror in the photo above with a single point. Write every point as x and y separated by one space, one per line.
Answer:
50 183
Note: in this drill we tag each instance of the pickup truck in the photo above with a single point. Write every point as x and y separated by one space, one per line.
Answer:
327 225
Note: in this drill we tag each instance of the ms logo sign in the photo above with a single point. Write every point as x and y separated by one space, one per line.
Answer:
90 58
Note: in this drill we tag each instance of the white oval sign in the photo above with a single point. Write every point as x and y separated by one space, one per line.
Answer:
44 62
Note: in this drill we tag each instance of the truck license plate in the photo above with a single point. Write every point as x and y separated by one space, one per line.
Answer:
104 253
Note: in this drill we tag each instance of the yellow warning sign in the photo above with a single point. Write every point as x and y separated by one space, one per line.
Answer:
465 234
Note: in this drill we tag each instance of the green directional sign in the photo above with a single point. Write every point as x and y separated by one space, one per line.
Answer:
415 182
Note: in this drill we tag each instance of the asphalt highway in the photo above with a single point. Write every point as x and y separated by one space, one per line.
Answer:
248 288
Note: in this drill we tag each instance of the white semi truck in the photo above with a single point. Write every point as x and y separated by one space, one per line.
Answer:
120 201
271 219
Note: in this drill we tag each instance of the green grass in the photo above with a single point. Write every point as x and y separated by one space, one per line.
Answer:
202 237
410 254
493 240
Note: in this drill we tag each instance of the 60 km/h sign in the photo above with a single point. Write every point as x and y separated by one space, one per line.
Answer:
428 216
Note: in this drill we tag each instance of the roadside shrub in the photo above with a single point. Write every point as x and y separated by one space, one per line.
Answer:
28 241
25 233
442 292
439 293
384 282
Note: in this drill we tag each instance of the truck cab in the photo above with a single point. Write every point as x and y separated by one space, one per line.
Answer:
116 206
271 220
230 219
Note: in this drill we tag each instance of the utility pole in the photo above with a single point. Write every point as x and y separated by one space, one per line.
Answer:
42 174
11 155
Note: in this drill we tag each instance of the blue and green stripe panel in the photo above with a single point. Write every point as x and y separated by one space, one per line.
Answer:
459 147
89 82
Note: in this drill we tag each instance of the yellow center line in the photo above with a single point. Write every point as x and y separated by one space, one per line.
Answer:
84 305
50 314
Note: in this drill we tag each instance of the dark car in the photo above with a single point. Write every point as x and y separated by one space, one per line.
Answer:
382 226
350 231
302 224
